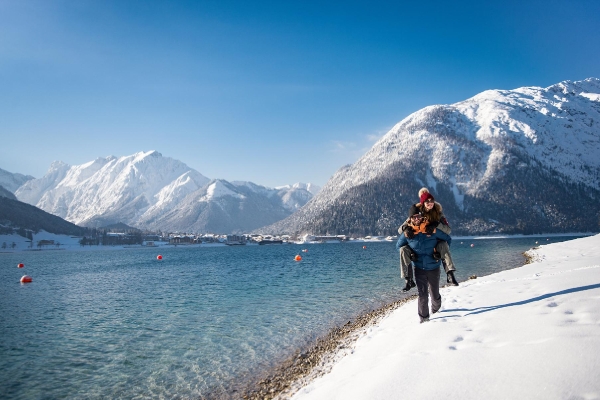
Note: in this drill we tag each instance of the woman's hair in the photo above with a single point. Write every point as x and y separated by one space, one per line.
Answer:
435 214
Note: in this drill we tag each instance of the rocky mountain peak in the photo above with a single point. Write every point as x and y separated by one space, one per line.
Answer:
487 158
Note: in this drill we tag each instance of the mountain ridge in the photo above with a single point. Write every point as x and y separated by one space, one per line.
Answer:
527 141
21 216
12 181
150 191
502 161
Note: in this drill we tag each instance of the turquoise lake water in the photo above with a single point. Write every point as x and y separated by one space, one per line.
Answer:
201 322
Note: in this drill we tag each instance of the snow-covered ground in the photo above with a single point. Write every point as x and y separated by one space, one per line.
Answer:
526 333
22 243
61 242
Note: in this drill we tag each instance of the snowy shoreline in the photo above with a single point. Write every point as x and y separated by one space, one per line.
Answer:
318 358
529 332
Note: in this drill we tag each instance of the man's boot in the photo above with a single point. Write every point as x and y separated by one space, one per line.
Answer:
451 279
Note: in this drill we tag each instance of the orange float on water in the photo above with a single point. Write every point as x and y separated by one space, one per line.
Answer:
20 265
159 257
364 247
298 258
26 279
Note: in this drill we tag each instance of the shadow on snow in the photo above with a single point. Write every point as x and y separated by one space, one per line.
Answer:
480 310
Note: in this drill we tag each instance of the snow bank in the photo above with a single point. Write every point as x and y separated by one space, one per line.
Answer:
527 333
22 243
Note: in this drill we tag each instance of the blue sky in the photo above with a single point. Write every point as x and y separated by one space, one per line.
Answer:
273 92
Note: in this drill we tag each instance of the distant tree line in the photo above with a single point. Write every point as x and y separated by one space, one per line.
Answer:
107 237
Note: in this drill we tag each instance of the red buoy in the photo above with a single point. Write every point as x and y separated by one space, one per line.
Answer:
159 257
26 279
20 265
364 247
298 258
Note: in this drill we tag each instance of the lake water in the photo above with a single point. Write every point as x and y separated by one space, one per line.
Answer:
199 322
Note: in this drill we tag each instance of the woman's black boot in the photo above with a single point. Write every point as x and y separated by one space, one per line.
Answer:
409 285
451 279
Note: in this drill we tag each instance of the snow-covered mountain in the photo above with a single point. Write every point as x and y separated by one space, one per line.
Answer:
296 195
12 182
147 190
230 207
515 161
111 189
222 207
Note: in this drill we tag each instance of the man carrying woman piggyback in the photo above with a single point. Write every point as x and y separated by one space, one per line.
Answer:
417 244
433 212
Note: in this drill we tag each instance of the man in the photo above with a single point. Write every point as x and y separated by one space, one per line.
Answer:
424 238
432 210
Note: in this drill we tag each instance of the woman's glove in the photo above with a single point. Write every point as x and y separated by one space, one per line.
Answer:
409 232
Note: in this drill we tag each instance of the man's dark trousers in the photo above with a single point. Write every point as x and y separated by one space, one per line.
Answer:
428 281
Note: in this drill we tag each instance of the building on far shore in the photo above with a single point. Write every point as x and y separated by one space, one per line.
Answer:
236 240
323 238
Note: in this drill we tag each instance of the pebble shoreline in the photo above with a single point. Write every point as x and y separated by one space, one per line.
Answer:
282 382
297 371
318 359
303 367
